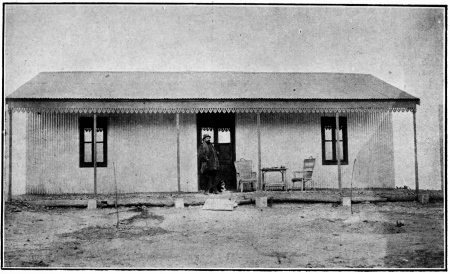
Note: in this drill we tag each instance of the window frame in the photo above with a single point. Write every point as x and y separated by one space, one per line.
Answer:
331 121
102 122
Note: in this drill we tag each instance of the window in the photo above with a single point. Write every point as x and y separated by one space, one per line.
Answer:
87 142
209 131
224 135
329 141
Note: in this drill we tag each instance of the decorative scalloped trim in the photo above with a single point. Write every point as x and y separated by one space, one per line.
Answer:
209 110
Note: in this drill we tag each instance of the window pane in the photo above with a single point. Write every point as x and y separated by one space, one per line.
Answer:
224 136
209 131
328 133
99 135
88 134
340 134
99 152
328 151
341 150
88 152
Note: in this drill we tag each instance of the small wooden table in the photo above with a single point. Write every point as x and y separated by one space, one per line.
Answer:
281 184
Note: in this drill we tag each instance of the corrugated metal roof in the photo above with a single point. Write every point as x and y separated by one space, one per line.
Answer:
206 85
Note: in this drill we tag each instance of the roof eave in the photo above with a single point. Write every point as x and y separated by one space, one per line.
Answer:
12 99
210 105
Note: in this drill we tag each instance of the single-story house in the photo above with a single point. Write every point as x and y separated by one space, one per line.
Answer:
85 132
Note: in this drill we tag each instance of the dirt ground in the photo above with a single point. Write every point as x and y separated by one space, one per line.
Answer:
300 236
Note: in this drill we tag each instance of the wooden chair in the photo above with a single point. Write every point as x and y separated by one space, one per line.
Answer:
244 174
306 175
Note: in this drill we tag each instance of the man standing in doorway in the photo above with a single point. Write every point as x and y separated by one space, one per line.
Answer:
209 164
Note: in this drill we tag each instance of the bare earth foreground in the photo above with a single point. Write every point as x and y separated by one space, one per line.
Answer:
283 236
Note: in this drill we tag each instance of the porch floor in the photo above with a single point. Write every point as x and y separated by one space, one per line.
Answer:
167 198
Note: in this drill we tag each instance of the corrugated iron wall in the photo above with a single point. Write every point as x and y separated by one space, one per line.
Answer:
19 158
53 155
374 152
141 146
188 152
288 138
143 149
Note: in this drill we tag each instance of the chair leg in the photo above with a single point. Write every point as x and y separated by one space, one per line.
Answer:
312 185
311 182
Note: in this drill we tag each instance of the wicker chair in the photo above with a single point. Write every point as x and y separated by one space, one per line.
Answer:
244 174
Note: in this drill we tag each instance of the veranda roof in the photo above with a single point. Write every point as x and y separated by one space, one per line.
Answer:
208 91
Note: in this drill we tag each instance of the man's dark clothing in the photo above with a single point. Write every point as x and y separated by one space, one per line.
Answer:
209 165
209 180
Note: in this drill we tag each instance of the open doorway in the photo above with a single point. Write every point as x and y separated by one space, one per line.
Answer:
221 128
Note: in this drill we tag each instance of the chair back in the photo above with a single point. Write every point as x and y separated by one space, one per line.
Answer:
308 167
244 168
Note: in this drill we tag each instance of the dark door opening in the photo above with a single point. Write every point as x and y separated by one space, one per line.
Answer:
221 127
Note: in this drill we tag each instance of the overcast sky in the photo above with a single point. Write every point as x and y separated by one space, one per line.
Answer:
400 45
395 44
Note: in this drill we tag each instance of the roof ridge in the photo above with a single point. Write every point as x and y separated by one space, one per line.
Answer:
221 98
199 72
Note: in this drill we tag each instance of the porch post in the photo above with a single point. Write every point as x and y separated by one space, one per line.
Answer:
94 152
415 156
10 154
258 123
338 153
441 145
178 151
